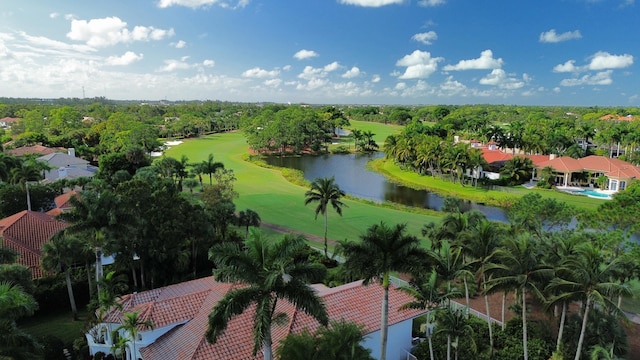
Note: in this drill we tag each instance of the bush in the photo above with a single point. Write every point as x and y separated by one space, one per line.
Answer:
52 348
340 149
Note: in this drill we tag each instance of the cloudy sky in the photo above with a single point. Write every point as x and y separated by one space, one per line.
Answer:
543 52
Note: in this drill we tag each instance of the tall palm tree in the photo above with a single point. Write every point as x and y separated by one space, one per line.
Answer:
381 250
454 324
210 167
449 263
270 274
427 295
97 216
480 242
519 267
131 324
325 191
589 277
58 255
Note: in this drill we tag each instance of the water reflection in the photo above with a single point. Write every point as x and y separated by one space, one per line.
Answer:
352 176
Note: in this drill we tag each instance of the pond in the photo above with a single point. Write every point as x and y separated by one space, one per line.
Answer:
352 176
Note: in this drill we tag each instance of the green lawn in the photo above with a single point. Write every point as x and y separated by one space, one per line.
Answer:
282 203
60 325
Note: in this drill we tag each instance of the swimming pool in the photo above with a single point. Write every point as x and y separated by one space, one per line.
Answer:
591 193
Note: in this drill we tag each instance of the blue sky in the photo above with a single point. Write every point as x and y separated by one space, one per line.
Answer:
544 52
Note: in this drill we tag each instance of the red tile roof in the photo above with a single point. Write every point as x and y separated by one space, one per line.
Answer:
63 203
614 168
494 156
190 304
25 232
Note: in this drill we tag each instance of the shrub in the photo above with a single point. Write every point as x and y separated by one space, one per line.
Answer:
340 149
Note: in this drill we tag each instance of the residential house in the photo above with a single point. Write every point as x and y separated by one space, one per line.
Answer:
66 166
7 122
180 313
586 170
25 232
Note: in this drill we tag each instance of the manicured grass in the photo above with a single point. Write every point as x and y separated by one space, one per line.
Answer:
60 325
477 194
279 202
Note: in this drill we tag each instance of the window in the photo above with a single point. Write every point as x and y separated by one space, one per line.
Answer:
623 185
613 185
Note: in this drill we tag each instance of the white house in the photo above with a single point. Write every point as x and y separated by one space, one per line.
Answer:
180 313
66 166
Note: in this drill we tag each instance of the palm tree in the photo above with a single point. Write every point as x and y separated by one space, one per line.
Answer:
210 167
381 250
454 324
518 169
248 218
15 303
96 216
449 263
58 255
340 340
518 266
131 324
325 191
427 294
269 273
588 277
480 243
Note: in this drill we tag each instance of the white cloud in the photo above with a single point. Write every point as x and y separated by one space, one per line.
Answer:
431 3
419 64
485 61
599 61
370 3
568 66
257 72
273 82
502 80
331 67
305 54
603 60
601 78
54 15
351 73
286 67
556 90
310 73
426 38
111 30
180 44
126 59
552 37
209 63
172 65
401 86
194 4
375 78
451 87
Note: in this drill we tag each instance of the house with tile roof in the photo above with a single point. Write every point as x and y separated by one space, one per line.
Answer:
180 314
63 203
586 170
25 232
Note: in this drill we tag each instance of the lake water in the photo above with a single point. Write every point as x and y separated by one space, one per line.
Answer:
352 176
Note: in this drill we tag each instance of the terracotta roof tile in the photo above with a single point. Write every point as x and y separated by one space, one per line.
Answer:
195 299
25 232
35 149
615 168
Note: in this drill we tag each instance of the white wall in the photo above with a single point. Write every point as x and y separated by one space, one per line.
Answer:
398 340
